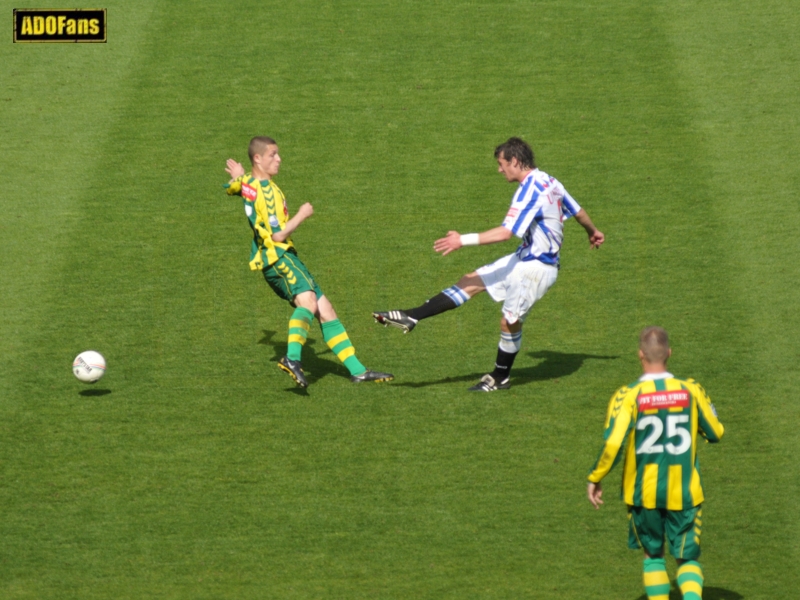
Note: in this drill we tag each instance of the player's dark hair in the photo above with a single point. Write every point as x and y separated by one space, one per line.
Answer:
516 148
258 144
654 344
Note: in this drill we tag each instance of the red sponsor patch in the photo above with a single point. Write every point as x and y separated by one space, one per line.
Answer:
512 213
657 400
249 192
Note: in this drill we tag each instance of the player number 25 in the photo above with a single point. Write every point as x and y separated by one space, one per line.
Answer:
674 429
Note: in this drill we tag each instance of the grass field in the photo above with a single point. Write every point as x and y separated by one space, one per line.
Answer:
194 470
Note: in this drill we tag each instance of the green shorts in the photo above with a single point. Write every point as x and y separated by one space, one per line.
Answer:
289 277
648 527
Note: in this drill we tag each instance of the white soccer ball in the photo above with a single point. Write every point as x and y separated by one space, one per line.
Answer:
89 366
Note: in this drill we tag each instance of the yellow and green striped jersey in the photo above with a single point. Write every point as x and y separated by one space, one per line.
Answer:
655 422
265 207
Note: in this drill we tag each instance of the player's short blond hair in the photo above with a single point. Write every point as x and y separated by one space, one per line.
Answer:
654 344
258 144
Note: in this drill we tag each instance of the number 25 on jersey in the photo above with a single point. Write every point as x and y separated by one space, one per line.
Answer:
678 439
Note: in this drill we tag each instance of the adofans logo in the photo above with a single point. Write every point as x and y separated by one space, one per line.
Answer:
60 25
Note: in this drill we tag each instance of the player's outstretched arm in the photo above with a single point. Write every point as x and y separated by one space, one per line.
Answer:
305 211
234 169
454 240
596 237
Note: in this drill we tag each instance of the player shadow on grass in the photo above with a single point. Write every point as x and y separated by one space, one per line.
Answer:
554 366
709 593
314 367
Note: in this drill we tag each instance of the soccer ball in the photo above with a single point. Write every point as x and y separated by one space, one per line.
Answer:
89 366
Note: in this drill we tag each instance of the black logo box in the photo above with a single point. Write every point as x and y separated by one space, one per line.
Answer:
60 25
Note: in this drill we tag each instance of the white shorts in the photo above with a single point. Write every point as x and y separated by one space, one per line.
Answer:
517 284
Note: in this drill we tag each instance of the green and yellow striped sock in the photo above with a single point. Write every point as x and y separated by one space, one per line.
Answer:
690 580
298 332
656 580
337 340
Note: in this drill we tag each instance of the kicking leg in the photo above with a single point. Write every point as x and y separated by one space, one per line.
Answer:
453 297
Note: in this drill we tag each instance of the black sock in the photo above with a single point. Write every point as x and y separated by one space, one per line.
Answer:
502 367
438 304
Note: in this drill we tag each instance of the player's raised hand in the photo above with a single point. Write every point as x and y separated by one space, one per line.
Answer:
305 210
596 239
234 169
595 493
449 243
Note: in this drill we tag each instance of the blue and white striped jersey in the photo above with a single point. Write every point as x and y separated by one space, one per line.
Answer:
537 213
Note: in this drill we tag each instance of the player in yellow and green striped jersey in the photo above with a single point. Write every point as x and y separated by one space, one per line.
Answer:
653 425
273 253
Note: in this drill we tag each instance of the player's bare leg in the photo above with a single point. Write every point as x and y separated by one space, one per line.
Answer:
307 300
472 284
325 311
467 287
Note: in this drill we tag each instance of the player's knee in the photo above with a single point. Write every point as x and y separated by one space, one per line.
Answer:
471 284
326 311
469 279
514 327
307 300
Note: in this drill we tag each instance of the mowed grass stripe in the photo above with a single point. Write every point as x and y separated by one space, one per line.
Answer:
748 116
58 102
669 271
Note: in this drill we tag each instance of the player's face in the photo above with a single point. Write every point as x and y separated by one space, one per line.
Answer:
509 169
270 161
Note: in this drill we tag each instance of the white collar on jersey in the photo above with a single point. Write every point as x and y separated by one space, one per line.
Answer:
654 376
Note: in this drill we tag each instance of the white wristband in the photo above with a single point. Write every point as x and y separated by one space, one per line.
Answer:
470 239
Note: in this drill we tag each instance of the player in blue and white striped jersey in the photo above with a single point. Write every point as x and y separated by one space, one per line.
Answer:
536 215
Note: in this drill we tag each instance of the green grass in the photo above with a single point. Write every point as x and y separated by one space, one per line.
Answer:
193 470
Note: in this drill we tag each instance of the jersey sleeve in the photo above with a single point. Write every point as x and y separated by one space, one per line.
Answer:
523 208
234 188
708 424
569 206
619 419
